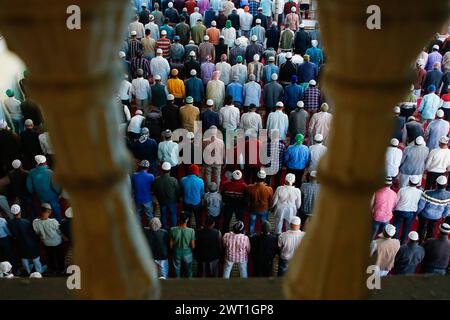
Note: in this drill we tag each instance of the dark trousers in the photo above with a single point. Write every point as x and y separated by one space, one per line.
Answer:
430 183
7 252
276 179
298 176
208 269
426 228
55 258
405 219
197 211
250 174
262 268
303 217
228 211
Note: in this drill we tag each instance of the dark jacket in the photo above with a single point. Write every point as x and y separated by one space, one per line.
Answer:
208 245
408 258
171 117
158 242
302 41
23 233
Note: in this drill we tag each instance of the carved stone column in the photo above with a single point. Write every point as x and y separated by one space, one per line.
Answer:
367 73
71 76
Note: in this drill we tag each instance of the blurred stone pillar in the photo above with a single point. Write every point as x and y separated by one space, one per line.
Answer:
367 74
72 78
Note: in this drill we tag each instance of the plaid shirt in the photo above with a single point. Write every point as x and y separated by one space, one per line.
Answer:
311 98
237 247
253 7
278 157
309 195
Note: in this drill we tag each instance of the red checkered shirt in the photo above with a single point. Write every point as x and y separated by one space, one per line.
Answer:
237 247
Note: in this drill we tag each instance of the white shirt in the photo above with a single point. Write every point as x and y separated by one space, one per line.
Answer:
393 160
320 124
194 17
316 152
229 117
168 151
408 199
288 242
13 106
48 231
278 121
136 123
251 120
45 143
225 72
138 27
140 88
438 160
230 36
245 21
160 66
124 90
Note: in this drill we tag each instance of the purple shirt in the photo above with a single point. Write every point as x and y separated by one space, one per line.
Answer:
202 5
207 69
432 59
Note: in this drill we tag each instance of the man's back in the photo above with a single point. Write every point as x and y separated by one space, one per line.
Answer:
437 252
408 257
386 252
208 245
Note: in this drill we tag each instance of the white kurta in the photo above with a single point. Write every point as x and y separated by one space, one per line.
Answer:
286 201
225 72
215 90
278 121
316 151
393 160
160 66
320 124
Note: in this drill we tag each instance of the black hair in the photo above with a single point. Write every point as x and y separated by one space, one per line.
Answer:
147 32
228 100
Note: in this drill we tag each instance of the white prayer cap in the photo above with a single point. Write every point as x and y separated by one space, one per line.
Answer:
390 230
164 32
69 212
237 41
36 275
313 174
237 175
296 221
40 159
157 77
300 104
254 38
444 228
258 21
301 25
210 102
279 104
441 180
314 43
261 174
397 110
3 124
436 47
16 164
144 4
193 71
46 206
318 138
214 23
413 236
122 54
414 180
251 77
5 267
256 57
440 113
235 77
170 97
28 122
289 55
166 166
170 5
420 141
388 181
293 9
189 99
443 140
159 51
139 112
274 76
420 62
134 33
15 209
192 54
290 178
271 59
206 38
312 82
394 142
190 135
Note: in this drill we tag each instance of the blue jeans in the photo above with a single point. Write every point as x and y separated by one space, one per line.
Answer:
182 259
263 216
228 211
18 125
406 219
282 267
172 208
377 225
146 208
228 266
36 263
431 270
163 267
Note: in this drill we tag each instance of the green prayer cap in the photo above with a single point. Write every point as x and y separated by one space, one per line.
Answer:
239 59
10 93
299 138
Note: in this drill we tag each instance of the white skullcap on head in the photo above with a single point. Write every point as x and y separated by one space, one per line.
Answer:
3 124
261 174
436 47
164 32
193 71
318 137
301 25
122 54
16 164
413 236
390 230
213 23
274 76
159 50
271 59
414 179
40 159
190 135
166 166
237 41
258 21
279 104
312 82
237 175
15 209
443 140
441 180
300 104
157 77
289 55
170 97
139 112
394 142
36 275
69 212
254 38
5 267
28 122
256 57
210 102
252 77
134 33
314 43
296 221
293 9
170 5
192 53
313 174
420 141
290 178
206 38
440 113
444 228
397 110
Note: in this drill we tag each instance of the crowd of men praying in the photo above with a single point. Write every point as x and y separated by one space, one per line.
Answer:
222 108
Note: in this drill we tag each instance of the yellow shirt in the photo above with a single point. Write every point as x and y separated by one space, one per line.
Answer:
188 115
176 87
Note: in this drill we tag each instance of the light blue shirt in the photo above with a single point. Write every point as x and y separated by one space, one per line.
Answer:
429 105
4 230
168 152
252 93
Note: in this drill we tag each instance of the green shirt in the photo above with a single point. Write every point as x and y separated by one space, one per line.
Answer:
182 238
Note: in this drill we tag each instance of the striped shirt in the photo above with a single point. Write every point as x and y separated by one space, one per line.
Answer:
134 45
140 63
237 247
164 45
